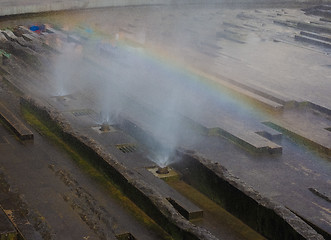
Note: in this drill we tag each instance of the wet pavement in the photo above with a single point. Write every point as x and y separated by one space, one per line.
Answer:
56 198
148 57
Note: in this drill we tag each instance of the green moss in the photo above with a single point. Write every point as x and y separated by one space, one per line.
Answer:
214 132
214 212
53 134
9 236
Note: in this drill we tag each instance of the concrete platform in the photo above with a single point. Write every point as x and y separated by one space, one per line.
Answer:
313 135
134 155
252 141
186 208
261 62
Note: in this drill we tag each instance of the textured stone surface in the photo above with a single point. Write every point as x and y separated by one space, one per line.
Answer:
269 218
141 193
14 124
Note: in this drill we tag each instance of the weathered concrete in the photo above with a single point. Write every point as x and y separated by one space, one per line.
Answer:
15 124
249 140
260 213
269 218
313 41
144 195
267 171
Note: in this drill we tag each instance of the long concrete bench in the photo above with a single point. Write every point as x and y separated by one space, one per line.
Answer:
14 124
249 140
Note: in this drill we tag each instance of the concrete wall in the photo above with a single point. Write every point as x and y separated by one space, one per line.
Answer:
14 7
270 219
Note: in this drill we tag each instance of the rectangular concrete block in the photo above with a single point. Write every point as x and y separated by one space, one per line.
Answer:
15 124
250 140
189 212
184 206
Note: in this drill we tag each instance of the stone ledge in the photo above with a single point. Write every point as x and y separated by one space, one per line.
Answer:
250 141
317 138
272 220
140 192
15 124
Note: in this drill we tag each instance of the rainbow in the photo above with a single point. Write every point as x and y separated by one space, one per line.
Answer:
200 83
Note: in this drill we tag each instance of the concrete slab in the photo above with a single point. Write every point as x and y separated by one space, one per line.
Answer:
185 207
285 178
312 41
15 124
250 140
264 100
311 129
70 205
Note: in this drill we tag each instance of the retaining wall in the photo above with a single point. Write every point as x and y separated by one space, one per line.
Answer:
144 196
270 219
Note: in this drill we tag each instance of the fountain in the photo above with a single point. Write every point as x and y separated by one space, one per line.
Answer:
162 170
105 127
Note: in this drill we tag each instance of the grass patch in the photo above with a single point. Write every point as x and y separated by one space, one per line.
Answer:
98 176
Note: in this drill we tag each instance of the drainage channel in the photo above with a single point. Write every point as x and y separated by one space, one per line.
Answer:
215 218
212 216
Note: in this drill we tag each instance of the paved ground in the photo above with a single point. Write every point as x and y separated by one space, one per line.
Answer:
144 54
57 198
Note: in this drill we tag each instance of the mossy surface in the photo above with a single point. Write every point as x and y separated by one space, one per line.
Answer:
213 211
270 220
53 134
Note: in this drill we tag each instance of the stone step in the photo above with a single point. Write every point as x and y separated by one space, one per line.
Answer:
313 27
312 41
316 36
312 134
249 140
254 96
184 206
15 124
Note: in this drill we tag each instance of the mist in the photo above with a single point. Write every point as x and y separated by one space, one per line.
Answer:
130 82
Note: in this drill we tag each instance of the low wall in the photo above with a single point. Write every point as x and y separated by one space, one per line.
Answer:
15 7
144 196
270 219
